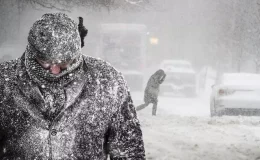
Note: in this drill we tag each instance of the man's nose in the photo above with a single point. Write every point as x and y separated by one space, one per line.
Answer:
55 69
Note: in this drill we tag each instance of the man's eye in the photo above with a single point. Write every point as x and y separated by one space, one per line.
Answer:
46 65
64 66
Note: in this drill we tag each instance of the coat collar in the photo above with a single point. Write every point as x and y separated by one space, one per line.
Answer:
73 91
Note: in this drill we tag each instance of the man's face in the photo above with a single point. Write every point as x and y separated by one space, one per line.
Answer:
55 68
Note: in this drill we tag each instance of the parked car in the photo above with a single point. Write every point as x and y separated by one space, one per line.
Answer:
181 77
236 94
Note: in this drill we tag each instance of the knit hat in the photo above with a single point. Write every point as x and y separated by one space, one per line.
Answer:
55 37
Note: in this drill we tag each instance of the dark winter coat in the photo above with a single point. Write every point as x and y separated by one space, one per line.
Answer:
98 119
153 86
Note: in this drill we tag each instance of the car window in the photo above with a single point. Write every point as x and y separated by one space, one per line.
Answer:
177 65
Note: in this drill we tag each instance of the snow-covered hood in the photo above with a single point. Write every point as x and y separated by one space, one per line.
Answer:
134 72
179 70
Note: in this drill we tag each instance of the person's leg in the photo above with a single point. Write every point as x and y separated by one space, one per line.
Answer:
154 109
142 106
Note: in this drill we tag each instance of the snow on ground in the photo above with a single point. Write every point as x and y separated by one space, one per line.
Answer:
183 130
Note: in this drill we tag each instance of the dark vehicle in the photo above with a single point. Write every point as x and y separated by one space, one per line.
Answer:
123 45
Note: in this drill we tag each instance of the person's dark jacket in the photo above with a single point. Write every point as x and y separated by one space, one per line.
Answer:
98 119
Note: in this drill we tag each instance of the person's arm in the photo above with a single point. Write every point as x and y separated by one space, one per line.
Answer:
162 79
125 141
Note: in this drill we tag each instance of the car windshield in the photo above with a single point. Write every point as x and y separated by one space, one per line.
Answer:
177 65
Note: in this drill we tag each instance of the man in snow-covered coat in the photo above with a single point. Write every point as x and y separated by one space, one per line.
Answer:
56 103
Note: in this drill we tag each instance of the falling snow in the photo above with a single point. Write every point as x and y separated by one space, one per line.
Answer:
86 112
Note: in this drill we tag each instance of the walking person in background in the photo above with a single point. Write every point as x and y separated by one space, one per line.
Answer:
152 91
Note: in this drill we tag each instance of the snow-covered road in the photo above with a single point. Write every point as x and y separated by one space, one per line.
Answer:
183 130
178 105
